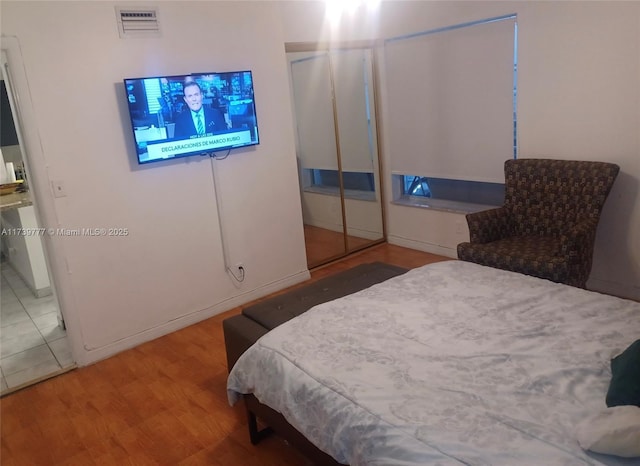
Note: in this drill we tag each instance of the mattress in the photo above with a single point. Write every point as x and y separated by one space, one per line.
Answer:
450 363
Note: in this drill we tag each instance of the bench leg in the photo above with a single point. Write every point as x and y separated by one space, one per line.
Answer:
256 435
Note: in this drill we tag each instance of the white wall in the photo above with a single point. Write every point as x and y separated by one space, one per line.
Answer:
12 154
25 252
578 98
68 63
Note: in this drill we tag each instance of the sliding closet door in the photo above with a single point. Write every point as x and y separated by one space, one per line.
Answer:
355 113
317 151
334 109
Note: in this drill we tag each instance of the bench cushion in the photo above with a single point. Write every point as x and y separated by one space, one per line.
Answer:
279 309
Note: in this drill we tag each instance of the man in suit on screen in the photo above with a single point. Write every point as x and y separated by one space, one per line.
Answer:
198 120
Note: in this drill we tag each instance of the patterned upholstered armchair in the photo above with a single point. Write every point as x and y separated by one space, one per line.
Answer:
547 226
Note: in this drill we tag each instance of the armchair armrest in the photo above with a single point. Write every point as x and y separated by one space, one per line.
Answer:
488 225
578 241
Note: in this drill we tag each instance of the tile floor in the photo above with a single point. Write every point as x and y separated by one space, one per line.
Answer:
32 343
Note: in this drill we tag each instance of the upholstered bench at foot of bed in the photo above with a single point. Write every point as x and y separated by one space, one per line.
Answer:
243 330
240 333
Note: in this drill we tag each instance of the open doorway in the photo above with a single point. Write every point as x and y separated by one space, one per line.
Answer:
33 340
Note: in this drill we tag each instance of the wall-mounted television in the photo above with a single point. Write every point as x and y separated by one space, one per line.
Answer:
194 114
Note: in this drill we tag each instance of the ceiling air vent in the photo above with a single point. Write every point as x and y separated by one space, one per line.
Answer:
137 22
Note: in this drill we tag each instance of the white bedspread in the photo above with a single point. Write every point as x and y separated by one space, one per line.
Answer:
450 363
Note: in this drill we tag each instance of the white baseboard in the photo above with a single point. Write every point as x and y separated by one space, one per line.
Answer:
90 356
422 246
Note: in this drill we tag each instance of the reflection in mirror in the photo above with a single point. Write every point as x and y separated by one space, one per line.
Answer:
353 89
333 105
317 156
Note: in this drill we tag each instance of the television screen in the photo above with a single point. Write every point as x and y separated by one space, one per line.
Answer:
195 114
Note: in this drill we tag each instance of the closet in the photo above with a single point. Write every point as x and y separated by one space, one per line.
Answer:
334 108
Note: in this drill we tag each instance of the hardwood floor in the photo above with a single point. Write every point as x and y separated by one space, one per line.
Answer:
163 402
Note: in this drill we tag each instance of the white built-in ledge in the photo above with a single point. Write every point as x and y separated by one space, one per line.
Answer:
445 205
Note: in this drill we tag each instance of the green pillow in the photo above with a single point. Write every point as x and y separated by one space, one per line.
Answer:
624 388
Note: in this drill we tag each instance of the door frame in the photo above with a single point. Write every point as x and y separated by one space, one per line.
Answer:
36 167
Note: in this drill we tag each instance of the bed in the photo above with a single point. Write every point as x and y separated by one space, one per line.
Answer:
450 363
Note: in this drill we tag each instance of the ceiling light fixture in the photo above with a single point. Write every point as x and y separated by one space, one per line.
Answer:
336 8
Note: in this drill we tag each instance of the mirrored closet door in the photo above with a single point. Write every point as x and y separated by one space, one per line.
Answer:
337 150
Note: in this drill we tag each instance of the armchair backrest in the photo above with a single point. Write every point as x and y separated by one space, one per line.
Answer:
547 197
